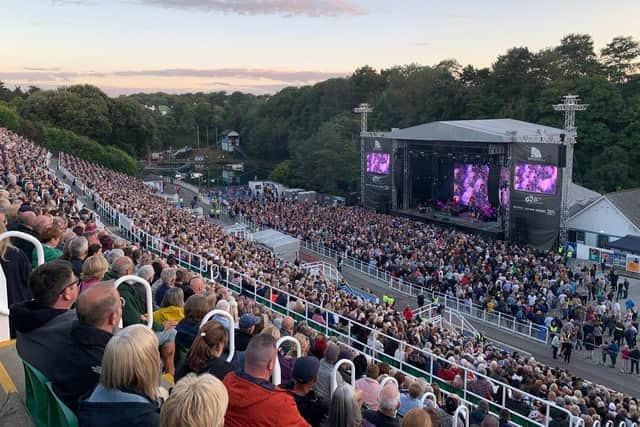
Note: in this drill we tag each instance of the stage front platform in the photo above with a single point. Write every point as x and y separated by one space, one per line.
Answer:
489 229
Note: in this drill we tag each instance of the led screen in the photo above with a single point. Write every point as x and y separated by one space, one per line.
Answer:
505 194
535 178
470 184
378 163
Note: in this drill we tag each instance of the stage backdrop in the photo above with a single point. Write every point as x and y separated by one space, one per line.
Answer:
377 177
536 194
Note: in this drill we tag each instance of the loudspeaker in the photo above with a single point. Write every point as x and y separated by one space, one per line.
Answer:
562 156
493 185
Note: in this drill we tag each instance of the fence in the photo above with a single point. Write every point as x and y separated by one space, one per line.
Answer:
339 326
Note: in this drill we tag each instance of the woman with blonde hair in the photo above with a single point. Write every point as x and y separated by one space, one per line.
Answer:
206 353
273 331
128 391
93 270
172 307
196 402
417 417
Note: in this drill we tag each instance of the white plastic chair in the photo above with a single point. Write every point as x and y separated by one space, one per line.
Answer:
276 376
148 295
428 395
4 296
388 379
334 373
232 335
465 415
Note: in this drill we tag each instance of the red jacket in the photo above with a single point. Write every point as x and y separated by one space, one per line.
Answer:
258 403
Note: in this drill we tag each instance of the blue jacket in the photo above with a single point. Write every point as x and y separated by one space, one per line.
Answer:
108 407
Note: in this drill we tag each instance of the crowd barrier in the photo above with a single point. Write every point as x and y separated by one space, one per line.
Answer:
341 327
507 322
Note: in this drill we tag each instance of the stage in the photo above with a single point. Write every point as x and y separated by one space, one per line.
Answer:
444 219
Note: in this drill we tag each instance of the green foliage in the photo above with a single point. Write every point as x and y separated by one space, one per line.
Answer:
282 172
8 117
60 140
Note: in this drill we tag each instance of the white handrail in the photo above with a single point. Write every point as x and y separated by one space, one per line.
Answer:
465 415
608 424
231 333
148 294
334 373
386 380
428 395
276 376
4 295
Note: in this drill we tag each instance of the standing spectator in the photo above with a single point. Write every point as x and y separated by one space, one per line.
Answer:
388 404
50 239
205 355
78 249
635 360
567 347
194 311
93 271
304 376
24 223
246 328
128 389
346 408
555 345
43 322
370 386
168 278
16 269
79 359
253 399
196 402
323 386
417 417
411 399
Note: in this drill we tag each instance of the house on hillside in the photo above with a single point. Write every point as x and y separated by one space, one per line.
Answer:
229 140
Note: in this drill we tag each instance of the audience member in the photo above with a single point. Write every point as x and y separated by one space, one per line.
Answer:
195 402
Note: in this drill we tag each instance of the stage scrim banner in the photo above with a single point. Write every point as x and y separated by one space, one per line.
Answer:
377 163
536 194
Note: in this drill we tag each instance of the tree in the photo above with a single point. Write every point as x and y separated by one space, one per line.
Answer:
8 118
618 58
577 57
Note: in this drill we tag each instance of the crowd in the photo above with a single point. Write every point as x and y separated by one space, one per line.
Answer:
66 315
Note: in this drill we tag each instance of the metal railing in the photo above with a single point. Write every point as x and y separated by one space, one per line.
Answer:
342 326
507 322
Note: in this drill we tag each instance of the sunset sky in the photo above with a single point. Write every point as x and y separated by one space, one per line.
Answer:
260 46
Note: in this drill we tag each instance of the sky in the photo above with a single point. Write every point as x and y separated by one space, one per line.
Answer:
260 46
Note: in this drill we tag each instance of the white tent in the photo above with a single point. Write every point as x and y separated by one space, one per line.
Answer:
282 245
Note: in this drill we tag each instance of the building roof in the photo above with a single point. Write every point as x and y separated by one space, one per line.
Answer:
627 243
627 202
580 197
491 130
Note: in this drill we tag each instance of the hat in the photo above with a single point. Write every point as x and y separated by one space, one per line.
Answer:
248 320
305 369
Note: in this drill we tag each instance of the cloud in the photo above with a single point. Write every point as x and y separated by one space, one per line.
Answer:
293 76
41 69
287 8
422 44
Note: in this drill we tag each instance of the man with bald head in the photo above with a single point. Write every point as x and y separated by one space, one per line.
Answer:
79 357
24 223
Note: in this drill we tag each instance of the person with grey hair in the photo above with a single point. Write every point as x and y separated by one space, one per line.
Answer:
388 404
78 250
345 410
113 255
253 399
168 277
146 272
323 385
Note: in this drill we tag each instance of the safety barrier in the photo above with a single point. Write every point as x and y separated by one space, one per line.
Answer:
500 320
428 395
464 411
4 296
343 333
148 295
276 375
388 379
232 336
334 373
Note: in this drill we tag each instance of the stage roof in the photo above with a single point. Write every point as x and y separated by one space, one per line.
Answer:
499 131
627 243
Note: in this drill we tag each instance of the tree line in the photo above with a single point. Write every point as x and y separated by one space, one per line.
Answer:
310 133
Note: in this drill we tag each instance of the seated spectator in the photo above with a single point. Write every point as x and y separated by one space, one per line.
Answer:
129 382
42 322
196 402
246 328
16 269
24 223
477 415
78 250
79 360
388 404
346 408
253 399
205 355
194 311
323 385
411 399
168 278
416 417
305 375
50 239
93 271
370 386
195 286
172 307
446 413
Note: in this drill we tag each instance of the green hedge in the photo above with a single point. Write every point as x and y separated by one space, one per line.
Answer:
8 118
60 140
